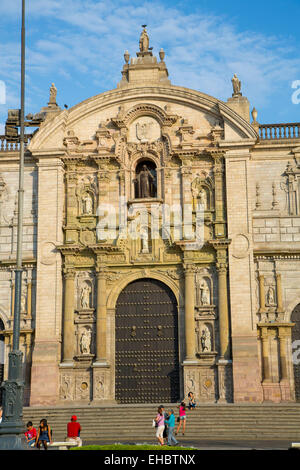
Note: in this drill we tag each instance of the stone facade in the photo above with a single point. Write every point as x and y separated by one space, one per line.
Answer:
236 292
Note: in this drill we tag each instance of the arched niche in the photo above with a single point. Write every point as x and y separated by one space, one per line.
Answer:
145 179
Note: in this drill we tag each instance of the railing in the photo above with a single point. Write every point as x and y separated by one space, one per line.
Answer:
9 146
279 131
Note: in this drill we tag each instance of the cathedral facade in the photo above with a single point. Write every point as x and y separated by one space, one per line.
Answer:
161 247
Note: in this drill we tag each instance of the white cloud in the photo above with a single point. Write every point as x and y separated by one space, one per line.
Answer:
82 43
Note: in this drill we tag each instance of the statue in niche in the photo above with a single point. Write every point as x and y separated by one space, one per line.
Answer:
85 296
144 239
87 204
205 340
203 198
204 293
237 85
85 342
145 181
23 303
144 40
271 296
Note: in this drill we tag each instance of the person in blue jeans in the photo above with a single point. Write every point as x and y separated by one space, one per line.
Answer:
171 426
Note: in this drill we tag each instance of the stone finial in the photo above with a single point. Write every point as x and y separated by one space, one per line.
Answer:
126 56
254 115
237 85
161 54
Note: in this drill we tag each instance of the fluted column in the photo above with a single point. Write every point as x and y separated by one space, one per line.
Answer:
69 330
189 312
223 311
101 353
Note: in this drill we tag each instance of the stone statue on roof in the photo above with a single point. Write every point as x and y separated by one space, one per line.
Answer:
144 40
237 85
53 94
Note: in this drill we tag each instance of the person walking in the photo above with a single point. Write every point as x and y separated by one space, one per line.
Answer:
171 426
182 418
30 434
43 435
160 421
73 431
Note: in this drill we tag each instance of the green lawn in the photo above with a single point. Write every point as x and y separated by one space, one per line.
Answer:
130 447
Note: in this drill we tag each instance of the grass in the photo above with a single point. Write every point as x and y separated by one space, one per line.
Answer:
131 447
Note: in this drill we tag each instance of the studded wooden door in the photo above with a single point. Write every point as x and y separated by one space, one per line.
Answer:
147 364
295 318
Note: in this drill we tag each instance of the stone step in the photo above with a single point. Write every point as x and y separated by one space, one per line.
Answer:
132 422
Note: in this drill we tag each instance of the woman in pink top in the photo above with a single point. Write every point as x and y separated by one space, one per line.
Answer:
160 422
182 418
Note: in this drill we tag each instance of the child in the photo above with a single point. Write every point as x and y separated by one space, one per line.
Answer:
30 434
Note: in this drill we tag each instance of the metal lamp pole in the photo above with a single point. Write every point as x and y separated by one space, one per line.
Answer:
12 427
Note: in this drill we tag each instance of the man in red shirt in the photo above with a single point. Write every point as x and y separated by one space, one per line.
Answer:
73 430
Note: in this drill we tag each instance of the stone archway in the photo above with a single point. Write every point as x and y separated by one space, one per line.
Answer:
146 354
295 318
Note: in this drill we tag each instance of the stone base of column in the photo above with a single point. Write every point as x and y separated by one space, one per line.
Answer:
12 441
201 379
271 392
44 374
102 383
246 370
225 381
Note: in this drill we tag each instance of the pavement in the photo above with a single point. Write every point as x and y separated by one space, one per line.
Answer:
211 445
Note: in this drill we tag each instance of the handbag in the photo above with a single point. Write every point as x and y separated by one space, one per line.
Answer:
153 423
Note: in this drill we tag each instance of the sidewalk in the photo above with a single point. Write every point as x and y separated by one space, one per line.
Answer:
209 445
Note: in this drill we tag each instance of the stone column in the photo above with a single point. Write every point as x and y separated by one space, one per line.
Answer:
265 355
279 294
68 329
29 299
282 335
101 353
189 312
223 311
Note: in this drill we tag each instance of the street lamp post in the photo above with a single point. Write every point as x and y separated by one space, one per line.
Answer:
12 427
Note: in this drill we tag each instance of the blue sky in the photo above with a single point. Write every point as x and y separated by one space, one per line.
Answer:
79 45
